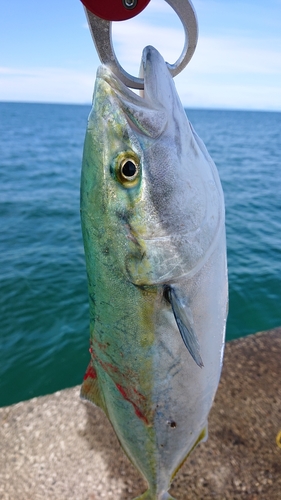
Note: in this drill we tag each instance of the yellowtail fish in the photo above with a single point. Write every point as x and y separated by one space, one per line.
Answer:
154 235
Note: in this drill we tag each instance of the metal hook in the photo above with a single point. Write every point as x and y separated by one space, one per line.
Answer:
102 35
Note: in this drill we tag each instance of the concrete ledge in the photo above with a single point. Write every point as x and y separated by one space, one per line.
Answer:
57 448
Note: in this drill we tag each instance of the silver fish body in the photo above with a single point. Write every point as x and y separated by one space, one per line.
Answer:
154 234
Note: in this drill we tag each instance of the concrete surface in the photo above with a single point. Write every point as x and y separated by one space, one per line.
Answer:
58 448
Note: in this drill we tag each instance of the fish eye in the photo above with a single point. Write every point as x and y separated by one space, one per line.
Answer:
127 169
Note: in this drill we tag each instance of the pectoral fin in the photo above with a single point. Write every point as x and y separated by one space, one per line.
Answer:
184 320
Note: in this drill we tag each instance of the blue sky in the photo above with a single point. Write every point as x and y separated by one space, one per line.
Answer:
47 54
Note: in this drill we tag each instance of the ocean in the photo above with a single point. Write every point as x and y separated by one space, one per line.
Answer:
44 336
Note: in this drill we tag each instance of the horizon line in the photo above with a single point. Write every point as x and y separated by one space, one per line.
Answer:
216 108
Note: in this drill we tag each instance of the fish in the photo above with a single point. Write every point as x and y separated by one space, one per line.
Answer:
153 225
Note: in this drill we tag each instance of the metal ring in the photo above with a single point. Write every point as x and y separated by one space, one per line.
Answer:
102 36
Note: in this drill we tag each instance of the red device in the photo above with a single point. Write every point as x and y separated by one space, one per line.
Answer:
115 10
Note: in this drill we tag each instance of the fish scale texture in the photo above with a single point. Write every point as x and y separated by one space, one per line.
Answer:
57 448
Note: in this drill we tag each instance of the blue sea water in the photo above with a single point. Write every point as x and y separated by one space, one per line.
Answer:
43 301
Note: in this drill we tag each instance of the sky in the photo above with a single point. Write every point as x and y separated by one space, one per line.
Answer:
47 53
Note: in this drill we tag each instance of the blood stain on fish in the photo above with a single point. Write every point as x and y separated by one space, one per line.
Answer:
138 412
90 373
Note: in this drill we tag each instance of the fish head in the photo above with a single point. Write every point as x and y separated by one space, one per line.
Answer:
150 192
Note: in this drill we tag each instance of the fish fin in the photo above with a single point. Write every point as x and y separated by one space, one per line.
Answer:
184 320
90 390
202 437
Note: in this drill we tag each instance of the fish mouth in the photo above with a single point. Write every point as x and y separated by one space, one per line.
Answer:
152 63
145 112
